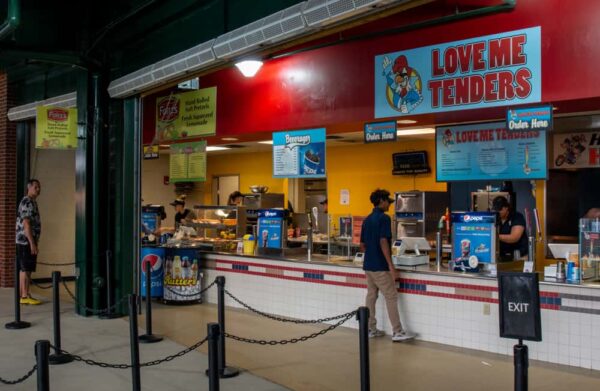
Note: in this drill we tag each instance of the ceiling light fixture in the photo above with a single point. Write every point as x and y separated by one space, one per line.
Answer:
249 67
406 121
270 142
215 148
414 132
229 139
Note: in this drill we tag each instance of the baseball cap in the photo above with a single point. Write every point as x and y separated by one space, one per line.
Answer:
177 202
323 202
499 203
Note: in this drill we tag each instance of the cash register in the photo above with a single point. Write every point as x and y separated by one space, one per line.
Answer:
410 251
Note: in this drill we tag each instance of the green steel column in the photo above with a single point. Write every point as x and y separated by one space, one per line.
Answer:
127 197
23 156
82 260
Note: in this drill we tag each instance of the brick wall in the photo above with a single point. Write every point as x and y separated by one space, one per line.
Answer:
8 187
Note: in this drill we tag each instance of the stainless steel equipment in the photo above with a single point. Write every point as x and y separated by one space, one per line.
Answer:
263 201
482 201
418 212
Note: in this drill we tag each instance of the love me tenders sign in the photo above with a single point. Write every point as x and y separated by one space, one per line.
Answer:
495 70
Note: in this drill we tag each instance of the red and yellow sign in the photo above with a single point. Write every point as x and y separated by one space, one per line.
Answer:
187 115
56 128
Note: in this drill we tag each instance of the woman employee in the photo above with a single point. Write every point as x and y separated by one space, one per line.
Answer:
511 229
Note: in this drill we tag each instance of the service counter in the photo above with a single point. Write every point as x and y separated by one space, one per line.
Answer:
458 309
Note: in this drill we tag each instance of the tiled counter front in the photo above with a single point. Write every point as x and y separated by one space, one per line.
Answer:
449 309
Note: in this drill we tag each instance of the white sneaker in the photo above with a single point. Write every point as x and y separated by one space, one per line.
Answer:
402 336
376 333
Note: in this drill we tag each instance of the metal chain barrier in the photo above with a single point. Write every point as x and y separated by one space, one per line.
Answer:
346 317
192 294
280 319
128 366
55 264
21 379
91 310
39 286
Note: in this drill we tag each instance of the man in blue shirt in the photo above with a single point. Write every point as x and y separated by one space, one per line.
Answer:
375 242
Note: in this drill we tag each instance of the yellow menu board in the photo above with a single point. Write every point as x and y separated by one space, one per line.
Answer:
188 162
56 128
187 115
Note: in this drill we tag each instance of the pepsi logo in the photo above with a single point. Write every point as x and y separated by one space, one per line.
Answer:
155 263
468 218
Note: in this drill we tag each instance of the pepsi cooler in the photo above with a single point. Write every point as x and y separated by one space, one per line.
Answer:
155 256
271 231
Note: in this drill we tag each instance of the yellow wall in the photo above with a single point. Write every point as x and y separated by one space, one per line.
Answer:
364 167
359 168
253 169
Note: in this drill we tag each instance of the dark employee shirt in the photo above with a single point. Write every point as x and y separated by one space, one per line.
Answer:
376 226
507 249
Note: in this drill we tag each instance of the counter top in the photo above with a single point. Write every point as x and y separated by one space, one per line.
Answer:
431 268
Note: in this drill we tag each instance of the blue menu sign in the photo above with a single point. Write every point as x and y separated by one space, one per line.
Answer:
299 154
529 118
378 132
489 152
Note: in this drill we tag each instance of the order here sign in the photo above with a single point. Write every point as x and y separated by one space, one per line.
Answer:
519 305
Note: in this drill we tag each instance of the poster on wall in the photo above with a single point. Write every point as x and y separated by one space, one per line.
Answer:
576 150
489 152
187 162
299 154
187 115
55 128
494 70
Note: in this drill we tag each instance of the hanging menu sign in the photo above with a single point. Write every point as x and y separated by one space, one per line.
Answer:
493 70
186 115
187 162
489 151
299 154
55 128
576 150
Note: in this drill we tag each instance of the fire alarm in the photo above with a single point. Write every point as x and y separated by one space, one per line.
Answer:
166 180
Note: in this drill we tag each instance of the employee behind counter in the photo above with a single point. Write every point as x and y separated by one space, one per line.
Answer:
511 230
183 214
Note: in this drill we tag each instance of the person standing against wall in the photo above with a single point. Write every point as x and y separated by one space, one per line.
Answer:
28 231
375 242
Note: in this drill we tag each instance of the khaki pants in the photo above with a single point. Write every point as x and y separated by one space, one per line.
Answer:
383 281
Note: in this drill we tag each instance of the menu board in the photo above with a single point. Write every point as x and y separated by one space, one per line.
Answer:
489 152
299 154
188 162
55 128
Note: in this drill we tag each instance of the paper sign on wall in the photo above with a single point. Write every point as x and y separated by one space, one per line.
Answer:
187 162
56 128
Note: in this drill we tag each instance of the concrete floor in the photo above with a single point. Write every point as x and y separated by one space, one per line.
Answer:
329 362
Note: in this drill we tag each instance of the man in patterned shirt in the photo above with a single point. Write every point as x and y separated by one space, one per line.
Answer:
28 230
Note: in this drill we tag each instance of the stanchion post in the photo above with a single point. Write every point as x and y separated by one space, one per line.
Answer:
17 323
224 370
42 349
521 366
149 337
109 314
213 333
58 357
133 342
363 337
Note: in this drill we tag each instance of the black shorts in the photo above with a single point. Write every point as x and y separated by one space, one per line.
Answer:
27 260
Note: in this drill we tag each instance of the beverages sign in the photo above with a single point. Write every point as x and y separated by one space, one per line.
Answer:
493 70
529 118
299 154
380 132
